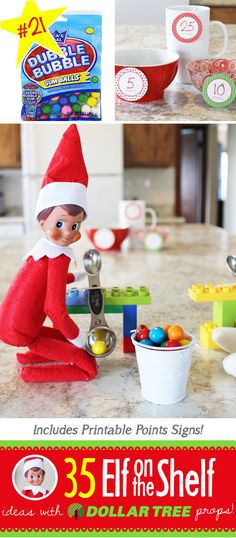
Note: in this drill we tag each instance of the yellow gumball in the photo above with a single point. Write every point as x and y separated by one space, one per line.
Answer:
91 101
95 94
99 348
184 342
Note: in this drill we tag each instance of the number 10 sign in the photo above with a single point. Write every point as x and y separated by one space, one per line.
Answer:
219 90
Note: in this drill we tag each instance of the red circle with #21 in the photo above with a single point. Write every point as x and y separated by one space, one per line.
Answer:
187 27
131 84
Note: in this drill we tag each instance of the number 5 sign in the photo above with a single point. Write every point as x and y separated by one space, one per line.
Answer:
131 84
219 90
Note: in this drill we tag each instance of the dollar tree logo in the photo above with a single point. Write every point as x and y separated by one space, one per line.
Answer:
75 510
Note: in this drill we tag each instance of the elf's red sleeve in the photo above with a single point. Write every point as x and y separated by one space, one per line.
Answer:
55 302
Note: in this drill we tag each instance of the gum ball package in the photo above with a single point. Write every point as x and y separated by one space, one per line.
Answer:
65 88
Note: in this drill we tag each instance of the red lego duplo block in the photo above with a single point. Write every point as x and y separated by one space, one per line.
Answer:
128 346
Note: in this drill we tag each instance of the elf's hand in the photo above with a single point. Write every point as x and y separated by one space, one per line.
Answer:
80 275
80 340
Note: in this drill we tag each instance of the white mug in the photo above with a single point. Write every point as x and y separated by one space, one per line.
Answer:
188 34
133 213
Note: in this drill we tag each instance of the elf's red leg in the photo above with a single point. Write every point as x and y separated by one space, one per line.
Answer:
48 346
54 373
30 357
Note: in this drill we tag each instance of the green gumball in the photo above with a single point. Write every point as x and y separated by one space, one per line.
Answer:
76 108
83 98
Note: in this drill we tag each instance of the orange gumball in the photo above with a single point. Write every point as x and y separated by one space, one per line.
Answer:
166 327
175 332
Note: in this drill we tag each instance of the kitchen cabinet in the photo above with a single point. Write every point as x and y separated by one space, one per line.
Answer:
150 145
10 152
226 14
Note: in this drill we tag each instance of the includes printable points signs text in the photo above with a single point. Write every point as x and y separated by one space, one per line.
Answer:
131 84
219 90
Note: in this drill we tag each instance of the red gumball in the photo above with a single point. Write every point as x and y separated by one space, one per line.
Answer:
173 343
143 333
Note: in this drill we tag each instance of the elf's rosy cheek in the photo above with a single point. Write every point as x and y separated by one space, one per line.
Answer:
54 234
76 236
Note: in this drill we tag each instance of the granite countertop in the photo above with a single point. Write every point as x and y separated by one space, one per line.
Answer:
181 102
194 253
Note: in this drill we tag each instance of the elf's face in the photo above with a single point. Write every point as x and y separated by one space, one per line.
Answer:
61 228
35 478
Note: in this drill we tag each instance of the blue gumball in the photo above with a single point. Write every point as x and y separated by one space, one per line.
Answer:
157 335
146 342
63 101
56 108
73 99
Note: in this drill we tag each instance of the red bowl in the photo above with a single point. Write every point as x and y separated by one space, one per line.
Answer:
107 238
199 70
143 74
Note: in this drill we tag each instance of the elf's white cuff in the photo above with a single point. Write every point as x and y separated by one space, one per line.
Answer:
80 340
229 364
80 275
225 338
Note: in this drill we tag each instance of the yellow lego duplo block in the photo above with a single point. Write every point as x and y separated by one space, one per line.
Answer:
206 330
210 292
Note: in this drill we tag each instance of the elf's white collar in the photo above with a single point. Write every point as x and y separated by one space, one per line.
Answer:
44 247
35 489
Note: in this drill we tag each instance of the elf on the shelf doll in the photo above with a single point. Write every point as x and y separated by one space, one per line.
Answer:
34 473
39 288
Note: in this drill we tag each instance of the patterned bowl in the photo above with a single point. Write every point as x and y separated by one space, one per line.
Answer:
199 70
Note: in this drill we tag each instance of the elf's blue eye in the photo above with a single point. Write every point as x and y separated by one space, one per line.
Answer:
60 224
39 475
32 477
75 227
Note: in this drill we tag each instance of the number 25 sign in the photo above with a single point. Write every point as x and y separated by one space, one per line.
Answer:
219 90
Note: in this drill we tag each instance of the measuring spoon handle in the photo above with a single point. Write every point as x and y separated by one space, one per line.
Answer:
96 306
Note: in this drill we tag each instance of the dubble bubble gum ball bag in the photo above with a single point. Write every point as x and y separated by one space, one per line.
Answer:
65 88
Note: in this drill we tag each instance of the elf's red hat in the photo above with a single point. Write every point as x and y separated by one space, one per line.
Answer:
33 461
66 178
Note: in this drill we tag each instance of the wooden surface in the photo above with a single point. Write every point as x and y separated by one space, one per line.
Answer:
10 155
150 145
224 14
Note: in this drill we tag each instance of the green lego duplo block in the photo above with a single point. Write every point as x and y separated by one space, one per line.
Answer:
224 313
128 296
78 309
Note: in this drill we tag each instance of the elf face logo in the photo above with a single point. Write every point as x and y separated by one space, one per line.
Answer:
42 65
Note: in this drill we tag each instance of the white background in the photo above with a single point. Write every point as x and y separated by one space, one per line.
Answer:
10 89
213 429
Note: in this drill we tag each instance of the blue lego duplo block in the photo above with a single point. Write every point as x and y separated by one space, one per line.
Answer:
75 297
129 319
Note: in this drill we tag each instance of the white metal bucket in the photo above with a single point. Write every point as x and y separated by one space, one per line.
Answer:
164 371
